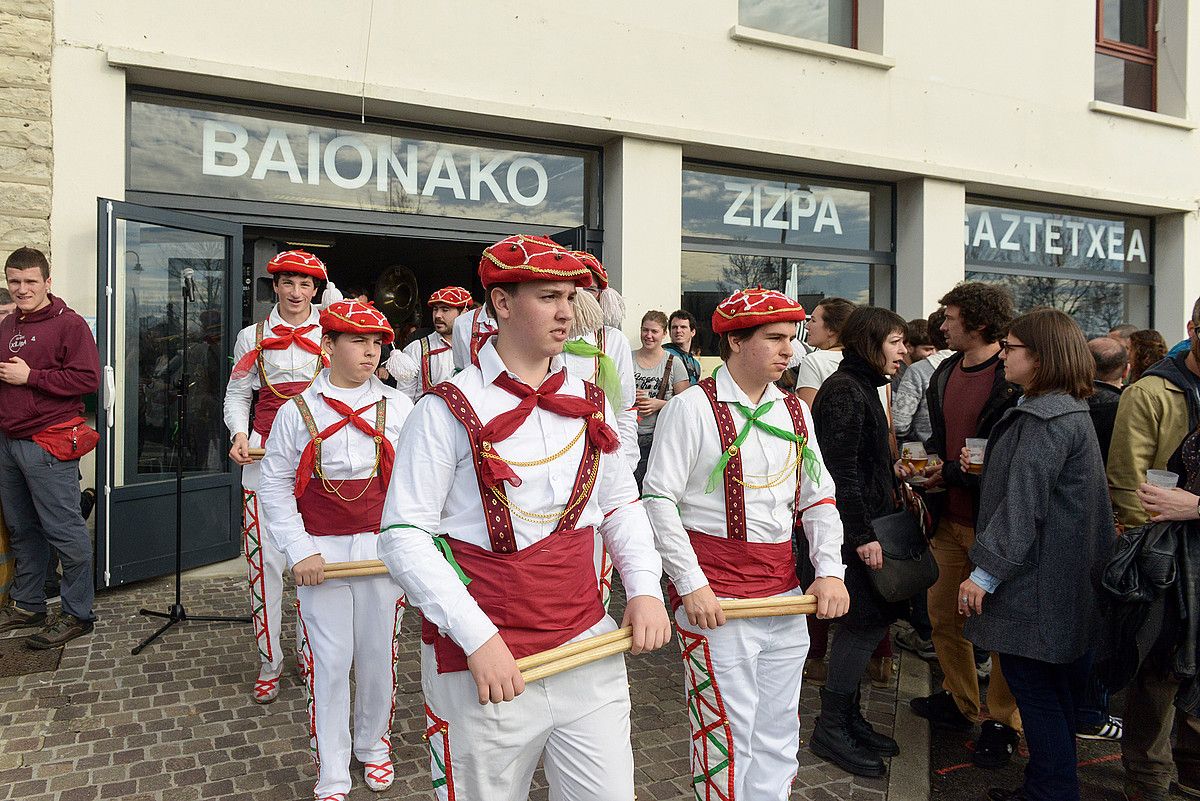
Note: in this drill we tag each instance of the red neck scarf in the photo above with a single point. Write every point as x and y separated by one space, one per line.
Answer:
308 457
503 425
285 337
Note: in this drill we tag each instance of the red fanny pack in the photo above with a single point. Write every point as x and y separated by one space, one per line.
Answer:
68 441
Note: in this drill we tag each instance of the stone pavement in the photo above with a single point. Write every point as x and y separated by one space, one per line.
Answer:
176 722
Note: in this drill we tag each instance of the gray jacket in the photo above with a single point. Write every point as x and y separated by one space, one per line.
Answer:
1045 524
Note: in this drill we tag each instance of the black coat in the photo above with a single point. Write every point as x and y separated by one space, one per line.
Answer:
852 430
1102 406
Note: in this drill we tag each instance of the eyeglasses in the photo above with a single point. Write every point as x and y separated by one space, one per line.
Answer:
1007 346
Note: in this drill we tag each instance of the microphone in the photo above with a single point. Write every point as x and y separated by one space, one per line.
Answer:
189 283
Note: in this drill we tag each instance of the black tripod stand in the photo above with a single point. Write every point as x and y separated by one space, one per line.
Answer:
177 614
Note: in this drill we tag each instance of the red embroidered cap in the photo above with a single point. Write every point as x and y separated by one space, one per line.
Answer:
453 296
599 274
298 261
520 258
356 317
748 308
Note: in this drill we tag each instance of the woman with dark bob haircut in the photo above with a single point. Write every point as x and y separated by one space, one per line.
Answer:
1045 521
852 429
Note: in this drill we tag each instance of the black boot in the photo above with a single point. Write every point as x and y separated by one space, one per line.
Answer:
833 740
859 727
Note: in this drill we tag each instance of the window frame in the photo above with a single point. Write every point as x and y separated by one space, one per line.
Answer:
1126 52
853 29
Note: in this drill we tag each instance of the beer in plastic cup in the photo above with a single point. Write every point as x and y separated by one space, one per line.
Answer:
913 454
1162 478
976 447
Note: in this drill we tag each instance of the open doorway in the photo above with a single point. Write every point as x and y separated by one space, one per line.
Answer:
398 274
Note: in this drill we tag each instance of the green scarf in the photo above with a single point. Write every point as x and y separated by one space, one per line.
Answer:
606 370
811 466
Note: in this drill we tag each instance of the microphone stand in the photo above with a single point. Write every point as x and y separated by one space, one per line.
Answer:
177 613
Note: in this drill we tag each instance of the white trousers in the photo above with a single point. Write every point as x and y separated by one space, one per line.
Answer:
344 622
265 566
579 721
742 682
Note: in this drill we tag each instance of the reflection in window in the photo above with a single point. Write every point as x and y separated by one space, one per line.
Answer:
155 354
1097 306
829 21
1126 56
709 278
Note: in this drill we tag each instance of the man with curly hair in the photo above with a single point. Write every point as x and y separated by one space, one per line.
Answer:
967 395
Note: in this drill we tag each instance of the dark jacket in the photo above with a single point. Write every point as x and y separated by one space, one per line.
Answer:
64 365
852 430
1004 396
1102 406
1044 525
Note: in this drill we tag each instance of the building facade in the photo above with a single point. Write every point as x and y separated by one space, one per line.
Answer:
877 151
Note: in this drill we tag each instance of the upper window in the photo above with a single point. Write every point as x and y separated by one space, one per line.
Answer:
1126 56
831 21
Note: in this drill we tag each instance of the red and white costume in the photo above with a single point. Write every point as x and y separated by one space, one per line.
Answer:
324 480
743 678
471 330
513 482
432 354
273 362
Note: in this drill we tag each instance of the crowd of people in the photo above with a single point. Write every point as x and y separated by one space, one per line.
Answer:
992 479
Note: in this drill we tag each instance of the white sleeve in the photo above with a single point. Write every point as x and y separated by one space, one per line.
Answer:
407 372
277 484
626 416
460 340
239 392
819 514
431 445
673 457
810 374
626 530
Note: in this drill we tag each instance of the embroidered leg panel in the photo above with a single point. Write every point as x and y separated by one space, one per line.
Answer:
441 770
712 738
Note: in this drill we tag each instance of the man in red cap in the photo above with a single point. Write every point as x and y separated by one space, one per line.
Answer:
324 479
274 360
432 354
471 330
503 474
733 468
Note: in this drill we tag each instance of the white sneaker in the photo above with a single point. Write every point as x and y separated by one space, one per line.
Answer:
1111 729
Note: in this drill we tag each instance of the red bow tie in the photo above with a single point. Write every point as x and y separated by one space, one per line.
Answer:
546 397
285 337
304 472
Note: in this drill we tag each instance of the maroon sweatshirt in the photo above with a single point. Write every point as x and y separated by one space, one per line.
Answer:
64 365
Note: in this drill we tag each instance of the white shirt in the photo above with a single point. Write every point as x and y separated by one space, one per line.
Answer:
348 454
293 364
460 337
819 365
434 490
686 448
441 365
617 348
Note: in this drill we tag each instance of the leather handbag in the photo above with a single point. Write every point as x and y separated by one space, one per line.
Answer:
908 564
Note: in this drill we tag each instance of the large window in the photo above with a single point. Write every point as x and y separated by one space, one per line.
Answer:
810 239
831 21
1126 56
1098 268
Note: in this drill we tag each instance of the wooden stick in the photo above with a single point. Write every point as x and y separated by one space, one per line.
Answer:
570 649
257 453
729 604
335 567
578 660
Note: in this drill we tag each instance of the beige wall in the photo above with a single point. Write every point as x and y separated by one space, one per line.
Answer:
989 98
25 136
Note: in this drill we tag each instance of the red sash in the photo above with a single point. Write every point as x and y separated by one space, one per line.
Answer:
540 596
328 513
741 569
268 404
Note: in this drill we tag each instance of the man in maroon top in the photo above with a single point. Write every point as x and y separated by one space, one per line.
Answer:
48 362
967 395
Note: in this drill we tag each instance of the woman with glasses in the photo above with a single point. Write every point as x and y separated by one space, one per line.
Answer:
1045 520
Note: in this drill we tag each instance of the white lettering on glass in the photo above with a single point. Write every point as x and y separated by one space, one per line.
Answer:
211 147
514 189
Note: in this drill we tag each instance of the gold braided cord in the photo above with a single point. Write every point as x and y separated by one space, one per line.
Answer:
551 517
337 490
490 454
532 269
774 479
262 374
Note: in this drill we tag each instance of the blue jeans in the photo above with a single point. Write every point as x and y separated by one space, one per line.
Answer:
1048 696
40 496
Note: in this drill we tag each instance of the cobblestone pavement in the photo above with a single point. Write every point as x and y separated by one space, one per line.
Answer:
177 723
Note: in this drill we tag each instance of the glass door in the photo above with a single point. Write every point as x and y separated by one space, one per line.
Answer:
146 347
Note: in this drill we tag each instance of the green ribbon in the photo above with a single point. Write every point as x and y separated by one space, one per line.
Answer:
606 370
439 542
808 458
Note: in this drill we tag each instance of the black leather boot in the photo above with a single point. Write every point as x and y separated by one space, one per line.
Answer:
863 732
834 741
